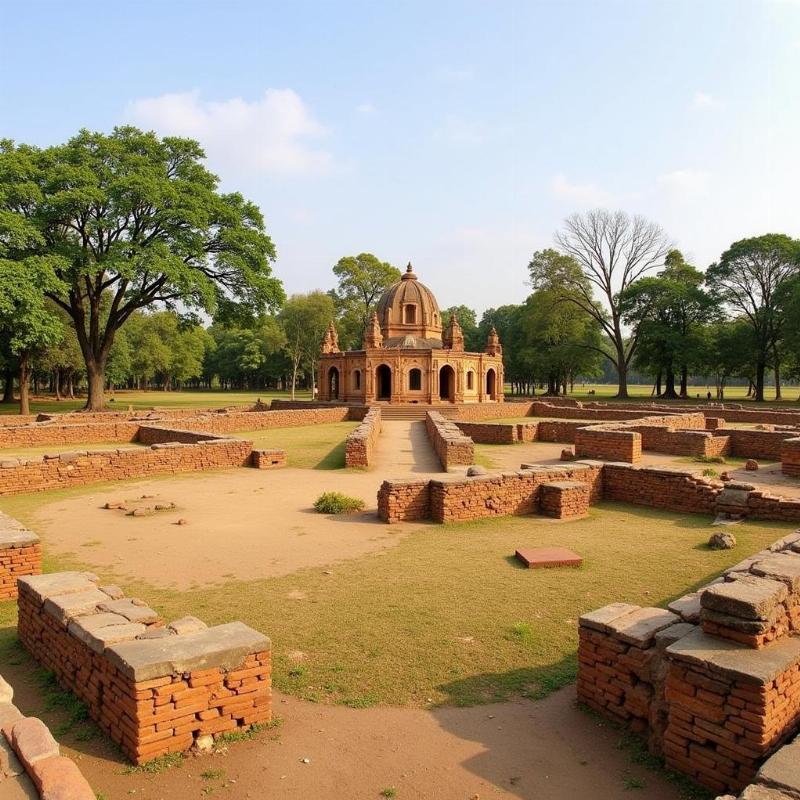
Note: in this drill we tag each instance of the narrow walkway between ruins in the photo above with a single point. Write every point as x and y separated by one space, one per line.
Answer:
403 447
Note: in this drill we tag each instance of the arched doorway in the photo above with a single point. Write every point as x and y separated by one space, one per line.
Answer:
383 382
491 384
333 384
447 383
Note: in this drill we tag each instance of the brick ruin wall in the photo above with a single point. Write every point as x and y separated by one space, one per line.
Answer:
18 475
404 501
475 412
20 555
606 443
31 764
360 443
714 681
153 688
451 446
790 457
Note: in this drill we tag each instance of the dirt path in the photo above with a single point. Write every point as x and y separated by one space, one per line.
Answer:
403 449
545 750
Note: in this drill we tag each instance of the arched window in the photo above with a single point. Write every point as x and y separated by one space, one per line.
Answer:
357 379
411 314
415 380
470 380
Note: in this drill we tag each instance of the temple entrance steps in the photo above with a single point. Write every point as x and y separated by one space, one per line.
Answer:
415 412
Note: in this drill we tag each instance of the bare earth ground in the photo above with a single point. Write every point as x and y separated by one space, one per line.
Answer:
546 749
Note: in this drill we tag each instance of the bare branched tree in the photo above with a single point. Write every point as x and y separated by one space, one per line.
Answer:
613 250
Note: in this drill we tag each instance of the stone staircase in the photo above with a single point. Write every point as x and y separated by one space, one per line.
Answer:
415 412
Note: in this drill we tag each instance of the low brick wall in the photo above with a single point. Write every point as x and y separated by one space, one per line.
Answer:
451 446
747 443
669 489
778 778
564 499
31 764
38 434
475 412
235 422
488 433
790 457
404 501
20 555
154 689
716 699
608 444
80 468
361 442
268 459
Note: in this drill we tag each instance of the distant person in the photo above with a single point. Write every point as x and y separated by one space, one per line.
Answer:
708 396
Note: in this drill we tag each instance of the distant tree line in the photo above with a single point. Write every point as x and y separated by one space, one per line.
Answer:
116 250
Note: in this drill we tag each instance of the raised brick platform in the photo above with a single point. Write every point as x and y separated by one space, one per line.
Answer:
540 557
565 499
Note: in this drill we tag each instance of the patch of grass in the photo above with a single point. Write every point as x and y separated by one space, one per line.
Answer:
709 460
212 774
337 503
76 711
710 473
633 783
389 791
520 632
431 621
245 734
306 446
156 765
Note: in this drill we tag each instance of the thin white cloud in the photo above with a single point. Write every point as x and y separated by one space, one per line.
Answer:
365 109
275 133
581 194
702 101
685 183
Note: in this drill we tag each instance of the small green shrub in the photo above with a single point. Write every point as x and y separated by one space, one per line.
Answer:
337 503
710 473
710 459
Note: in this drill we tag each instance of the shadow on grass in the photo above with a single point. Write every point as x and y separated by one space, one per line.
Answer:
334 459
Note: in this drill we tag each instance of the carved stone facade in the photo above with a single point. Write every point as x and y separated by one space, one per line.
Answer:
407 358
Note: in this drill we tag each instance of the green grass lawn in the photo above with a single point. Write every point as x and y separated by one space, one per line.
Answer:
308 446
447 616
121 399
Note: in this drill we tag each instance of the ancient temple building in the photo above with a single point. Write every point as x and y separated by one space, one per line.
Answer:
406 357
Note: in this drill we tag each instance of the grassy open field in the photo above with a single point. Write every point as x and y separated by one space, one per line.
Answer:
644 392
307 447
447 616
121 399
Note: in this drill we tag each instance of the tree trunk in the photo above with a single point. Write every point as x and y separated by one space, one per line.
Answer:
294 379
760 368
95 378
684 381
57 384
622 375
24 389
8 389
669 389
778 380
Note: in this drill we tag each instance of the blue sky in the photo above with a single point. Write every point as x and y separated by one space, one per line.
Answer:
455 134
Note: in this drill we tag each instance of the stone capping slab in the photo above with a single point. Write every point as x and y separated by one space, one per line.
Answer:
747 597
66 606
639 627
601 618
10 539
737 660
784 567
782 770
224 646
58 583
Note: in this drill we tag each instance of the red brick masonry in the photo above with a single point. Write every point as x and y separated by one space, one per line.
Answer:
361 442
20 555
154 689
714 707
452 447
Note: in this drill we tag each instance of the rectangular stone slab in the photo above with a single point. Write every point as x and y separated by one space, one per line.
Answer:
639 627
10 539
747 597
687 607
133 612
782 770
223 646
601 618
538 557
737 660
783 567
57 583
66 606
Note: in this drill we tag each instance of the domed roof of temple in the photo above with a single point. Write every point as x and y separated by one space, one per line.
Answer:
409 315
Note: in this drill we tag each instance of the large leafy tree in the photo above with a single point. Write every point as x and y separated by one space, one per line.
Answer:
305 317
362 281
474 342
669 311
750 278
613 251
137 221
